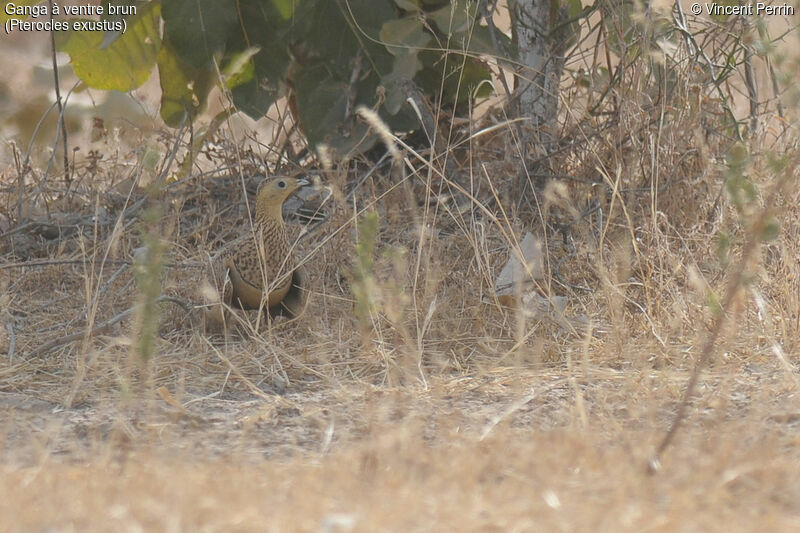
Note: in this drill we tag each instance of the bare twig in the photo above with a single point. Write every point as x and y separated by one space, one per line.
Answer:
67 177
488 15
102 290
12 339
717 78
510 410
367 175
168 163
61 341
752 89
775 89
249 384
21 171
51 262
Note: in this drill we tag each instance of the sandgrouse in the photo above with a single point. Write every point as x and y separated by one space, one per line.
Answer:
259 271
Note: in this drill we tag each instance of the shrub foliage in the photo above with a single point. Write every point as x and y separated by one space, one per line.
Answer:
327 56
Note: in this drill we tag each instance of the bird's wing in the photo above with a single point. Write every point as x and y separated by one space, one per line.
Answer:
294 303
244 292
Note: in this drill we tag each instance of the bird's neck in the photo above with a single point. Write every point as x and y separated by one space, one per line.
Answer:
272 226
270 216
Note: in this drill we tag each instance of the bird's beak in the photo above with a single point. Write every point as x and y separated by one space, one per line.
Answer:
302 182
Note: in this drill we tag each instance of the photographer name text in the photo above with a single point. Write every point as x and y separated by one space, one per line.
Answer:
750 9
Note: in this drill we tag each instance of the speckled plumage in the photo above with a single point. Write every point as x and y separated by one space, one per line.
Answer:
259 270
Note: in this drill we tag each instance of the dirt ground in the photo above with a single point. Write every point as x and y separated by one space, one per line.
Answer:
508 450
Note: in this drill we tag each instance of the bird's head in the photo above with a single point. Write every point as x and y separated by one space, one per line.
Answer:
273 192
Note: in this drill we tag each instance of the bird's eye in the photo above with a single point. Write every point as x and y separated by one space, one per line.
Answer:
281 184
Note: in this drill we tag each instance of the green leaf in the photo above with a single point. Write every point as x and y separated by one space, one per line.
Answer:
408 5
252 99
405 68
20 5
401 36
714 303
184 89
738 158
198 29
478 40
778 163
262 26
461 77
240 69
724 243
574 8
323 103
285 8
342 36
622 41
472 83
125 11
771 231
365 248
570 33
458 17
339 66
123 65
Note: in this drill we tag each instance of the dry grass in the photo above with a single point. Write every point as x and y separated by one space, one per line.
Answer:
466 452
362 457
406 398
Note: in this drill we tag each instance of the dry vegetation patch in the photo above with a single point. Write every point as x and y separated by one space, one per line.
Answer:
472 453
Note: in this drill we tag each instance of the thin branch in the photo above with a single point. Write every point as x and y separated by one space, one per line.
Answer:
67 177
716 78
51 262
61 341
12 339
752 89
